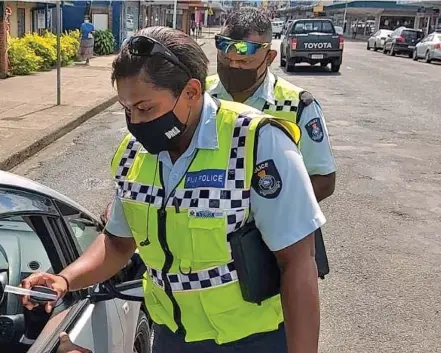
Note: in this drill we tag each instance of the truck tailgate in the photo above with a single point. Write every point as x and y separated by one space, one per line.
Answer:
317 42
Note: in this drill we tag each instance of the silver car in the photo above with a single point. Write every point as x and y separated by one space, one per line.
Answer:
42 230
429 48
376 41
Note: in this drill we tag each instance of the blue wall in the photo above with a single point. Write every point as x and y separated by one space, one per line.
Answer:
73 16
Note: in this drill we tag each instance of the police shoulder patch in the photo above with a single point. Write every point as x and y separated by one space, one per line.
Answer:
314 129
266 180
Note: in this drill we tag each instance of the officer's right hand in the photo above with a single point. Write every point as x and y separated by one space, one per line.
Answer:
57 283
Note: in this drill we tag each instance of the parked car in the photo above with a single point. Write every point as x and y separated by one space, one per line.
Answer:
429 48
376 41
277 27
42 230
402 41
312 41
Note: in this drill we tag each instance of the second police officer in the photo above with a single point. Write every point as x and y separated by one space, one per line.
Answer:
243 61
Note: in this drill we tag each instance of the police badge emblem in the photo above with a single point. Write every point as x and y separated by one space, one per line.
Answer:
315 130
266 180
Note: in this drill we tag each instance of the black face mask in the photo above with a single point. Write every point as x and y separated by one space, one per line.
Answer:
161 134
238 80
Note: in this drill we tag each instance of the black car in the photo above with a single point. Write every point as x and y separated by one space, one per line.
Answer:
402 41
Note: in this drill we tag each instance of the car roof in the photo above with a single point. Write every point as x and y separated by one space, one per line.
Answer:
19 182
410 29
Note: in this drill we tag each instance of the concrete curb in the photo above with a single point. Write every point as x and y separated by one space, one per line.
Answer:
44 141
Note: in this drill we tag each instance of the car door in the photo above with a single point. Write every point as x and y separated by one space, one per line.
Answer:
96 326
373 39
391 38
84 231
422 46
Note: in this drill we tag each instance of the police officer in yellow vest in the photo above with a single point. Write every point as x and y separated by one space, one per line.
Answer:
244 57
192 171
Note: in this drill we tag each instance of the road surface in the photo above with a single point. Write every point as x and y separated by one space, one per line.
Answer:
384 221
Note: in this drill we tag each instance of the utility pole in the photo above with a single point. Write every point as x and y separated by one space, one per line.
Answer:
344 16
175 13
3 41
58 8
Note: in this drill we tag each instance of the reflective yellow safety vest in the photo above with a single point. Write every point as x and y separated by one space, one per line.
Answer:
191 284
286 95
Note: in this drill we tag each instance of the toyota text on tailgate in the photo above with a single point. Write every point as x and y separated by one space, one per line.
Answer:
313 41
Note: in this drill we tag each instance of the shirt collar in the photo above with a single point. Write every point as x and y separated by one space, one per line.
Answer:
207 134
265 90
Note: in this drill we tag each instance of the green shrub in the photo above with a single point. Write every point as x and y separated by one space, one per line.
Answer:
22 58
35 53
104 42
44 48
69 48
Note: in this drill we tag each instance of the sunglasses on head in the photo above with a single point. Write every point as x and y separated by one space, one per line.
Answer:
242 47
146 46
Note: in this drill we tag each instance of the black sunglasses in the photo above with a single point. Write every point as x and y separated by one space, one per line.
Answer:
146 46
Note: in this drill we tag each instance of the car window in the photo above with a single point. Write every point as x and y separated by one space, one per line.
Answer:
412 34
438 37
305 27
84 229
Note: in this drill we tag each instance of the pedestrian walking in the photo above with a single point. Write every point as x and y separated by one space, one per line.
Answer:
192 172
354 30
243 62
85 52
193 27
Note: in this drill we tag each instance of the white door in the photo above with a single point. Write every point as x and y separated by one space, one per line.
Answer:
93 326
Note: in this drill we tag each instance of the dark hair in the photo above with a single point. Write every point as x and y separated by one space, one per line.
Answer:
161 72
248 20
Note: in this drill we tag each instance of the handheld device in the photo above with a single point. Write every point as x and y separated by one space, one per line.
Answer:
38 294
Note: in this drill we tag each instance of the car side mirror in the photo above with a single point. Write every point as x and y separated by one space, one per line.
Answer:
131 290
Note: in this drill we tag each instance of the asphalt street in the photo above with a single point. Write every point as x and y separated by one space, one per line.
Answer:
384 222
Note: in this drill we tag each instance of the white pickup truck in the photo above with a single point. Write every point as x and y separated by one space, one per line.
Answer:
277 26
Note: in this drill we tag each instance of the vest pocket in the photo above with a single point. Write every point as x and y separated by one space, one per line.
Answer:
157 303
209 240
233 318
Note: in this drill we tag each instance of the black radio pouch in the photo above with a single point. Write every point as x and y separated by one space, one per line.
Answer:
256 264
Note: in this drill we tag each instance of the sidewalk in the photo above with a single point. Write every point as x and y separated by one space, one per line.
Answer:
29 117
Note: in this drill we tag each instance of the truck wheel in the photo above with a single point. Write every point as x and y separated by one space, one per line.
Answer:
288 66
335 67
282 60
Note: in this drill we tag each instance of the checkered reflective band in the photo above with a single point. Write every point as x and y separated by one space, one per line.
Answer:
210 278
281 106
127 159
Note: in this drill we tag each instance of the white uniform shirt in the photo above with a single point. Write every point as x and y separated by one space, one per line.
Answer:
314 145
